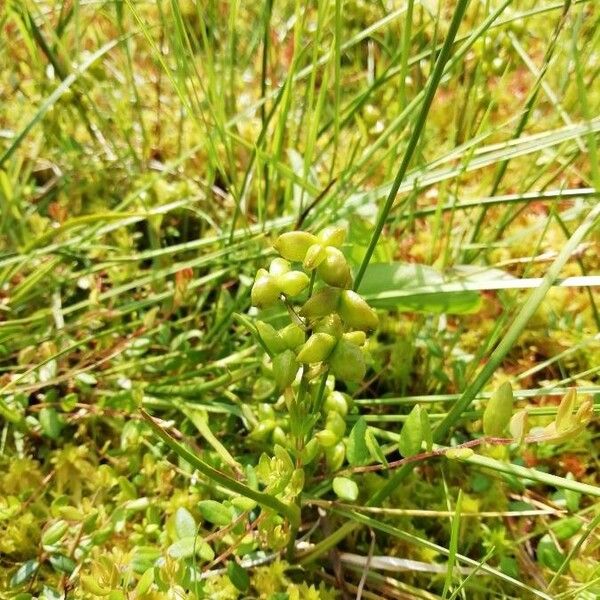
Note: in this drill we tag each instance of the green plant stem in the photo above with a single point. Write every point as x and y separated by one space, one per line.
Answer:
416 135
289 511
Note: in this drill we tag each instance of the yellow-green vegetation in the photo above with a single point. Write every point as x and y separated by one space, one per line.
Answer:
299 300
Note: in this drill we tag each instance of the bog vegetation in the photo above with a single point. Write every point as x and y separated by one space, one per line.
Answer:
298 300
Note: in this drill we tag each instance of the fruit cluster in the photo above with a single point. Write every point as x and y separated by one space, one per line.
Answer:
329 329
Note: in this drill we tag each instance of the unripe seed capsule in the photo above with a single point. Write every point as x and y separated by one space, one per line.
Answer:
265 291
293 336
310 451
331 324
285 369
317 348
334 270
334 235
321 304
355 312
293 245
292 283
335 456
335 422
347 362
356 337
279 266
315 255
262 430
336 402
270 337
326 438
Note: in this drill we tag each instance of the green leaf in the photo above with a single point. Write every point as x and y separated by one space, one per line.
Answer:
411 436
564 414
188 546
345 488
54 533
548 554
185 525
238 576
145 582
498 411
426 430
566 528
51 423
374 448
62 563
357 451
518 425
24 573
215 512
410 287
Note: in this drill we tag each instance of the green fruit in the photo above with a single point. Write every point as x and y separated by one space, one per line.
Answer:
336 402
331 324
292 283
315 255
334 270
262 430
285 368
355 312
321 304
357 338
279 266
335 422
293 336
271 339
310 451
347 362
335 456
293 245
326 438
317 348
265 292
334 235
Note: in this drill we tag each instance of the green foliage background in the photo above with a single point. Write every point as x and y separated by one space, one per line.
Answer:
150 152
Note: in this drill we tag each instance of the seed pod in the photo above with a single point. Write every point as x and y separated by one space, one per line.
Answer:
265 291
292 283
315 255
331 324
279 266
270 337
347 362
310 451
262 430
355 312
335 422
326 438
334 270
335 456
358 338
334 235
317 348
285 368
293 245
293 336
321 304
336 402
